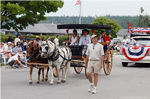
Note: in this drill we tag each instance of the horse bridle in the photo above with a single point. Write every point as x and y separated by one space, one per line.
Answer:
34 54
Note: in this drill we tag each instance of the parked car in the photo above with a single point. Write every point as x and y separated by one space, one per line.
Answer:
137 51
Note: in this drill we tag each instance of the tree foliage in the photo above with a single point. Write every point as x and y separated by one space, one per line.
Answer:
143 20
19 14
115 27
121 20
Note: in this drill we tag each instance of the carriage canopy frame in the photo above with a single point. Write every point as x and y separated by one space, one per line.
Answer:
83 26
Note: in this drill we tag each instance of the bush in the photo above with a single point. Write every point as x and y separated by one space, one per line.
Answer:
4 38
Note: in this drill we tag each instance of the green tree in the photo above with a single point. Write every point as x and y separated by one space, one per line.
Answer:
19 14
147 20
115 27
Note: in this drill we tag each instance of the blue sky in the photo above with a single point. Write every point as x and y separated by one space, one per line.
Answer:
103 7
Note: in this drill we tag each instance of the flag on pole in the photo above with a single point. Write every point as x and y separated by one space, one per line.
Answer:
95 17
78 2
142 10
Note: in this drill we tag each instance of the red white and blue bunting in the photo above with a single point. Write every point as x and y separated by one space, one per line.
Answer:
138 29
135 53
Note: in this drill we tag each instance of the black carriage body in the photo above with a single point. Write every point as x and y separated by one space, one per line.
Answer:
76 51
77 61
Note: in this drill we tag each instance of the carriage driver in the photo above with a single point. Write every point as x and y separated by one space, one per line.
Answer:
95 57
85 38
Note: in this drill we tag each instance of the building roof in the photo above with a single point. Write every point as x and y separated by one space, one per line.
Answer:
43 28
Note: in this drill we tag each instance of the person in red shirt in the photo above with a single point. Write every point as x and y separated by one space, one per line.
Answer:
106 40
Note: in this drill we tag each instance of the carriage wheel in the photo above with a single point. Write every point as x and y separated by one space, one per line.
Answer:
108 62
78 70
55 72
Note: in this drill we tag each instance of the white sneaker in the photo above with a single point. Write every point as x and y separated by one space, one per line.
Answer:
91 88
25 66
94 90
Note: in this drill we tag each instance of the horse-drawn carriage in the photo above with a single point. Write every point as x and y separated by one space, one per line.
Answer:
48 54
78 62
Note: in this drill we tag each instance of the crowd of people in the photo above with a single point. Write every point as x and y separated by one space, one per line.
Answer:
13 52
85 38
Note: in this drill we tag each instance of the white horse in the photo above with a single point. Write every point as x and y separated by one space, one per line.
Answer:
60 57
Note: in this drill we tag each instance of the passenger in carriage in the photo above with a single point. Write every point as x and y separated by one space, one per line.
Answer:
99 38
74 39
106 40
67 42
85 38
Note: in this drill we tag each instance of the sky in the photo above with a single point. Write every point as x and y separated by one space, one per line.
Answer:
103 7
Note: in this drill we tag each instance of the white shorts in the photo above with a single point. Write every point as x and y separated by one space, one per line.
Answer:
93 66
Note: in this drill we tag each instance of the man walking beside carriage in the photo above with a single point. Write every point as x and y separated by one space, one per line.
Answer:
94 62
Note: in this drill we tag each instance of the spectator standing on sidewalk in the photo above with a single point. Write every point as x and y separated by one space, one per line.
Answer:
56 40
17 39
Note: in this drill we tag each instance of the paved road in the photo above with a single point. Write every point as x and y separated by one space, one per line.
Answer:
131 82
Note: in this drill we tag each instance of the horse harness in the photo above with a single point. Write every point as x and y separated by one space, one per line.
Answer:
55 55
35 55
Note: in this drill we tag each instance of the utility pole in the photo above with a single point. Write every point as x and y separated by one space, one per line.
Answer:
80 13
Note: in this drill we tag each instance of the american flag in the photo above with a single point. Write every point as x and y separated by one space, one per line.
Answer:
78 2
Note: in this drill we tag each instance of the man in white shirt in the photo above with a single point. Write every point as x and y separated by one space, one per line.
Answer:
94 62
16 60
56 40
85 38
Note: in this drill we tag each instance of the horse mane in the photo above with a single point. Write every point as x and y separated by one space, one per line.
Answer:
35 45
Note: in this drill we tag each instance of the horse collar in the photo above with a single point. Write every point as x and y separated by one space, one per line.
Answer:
54 55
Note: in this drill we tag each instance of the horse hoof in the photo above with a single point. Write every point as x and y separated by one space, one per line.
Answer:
30 82
58 82
42 80
51 83
63 81
46 79
38 82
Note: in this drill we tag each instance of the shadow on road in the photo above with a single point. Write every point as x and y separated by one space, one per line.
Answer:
139 65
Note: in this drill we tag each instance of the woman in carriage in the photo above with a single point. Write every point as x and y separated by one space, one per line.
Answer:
74 39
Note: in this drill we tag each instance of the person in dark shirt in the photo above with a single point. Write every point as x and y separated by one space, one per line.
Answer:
10 39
